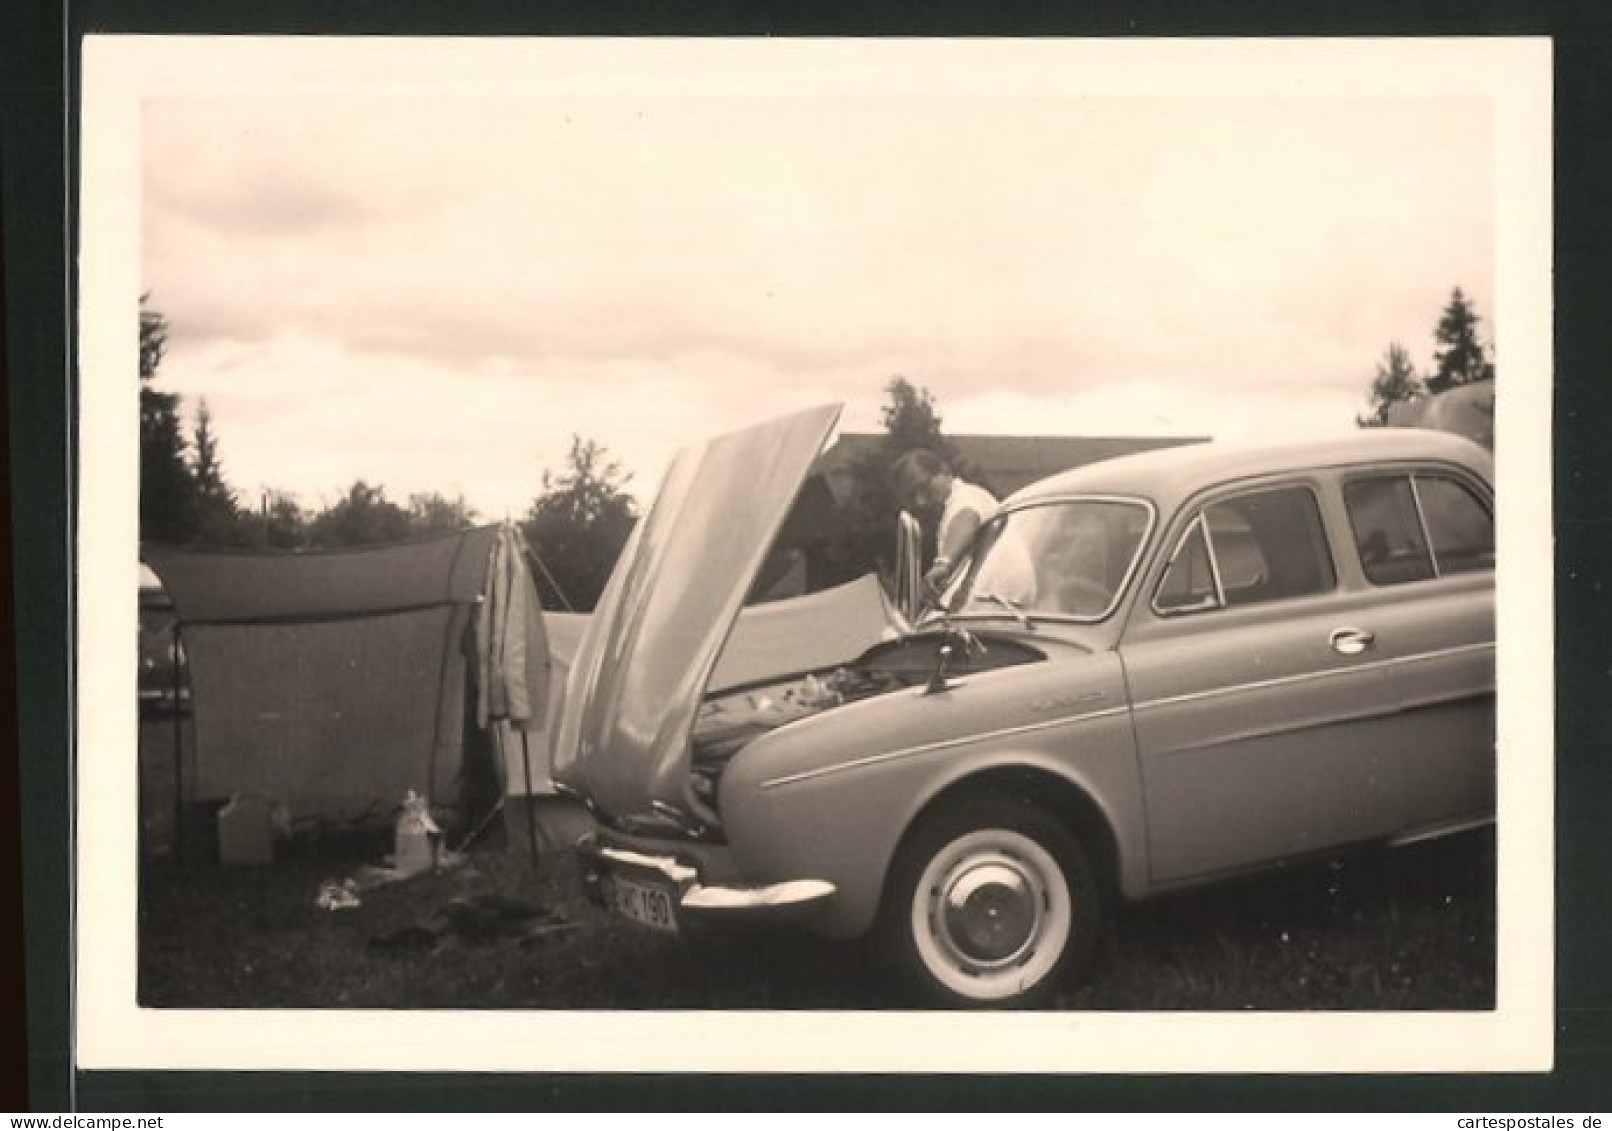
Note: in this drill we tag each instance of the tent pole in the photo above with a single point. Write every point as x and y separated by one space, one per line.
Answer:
532 557
531 807
475 834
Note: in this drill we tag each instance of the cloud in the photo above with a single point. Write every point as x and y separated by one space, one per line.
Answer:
649 270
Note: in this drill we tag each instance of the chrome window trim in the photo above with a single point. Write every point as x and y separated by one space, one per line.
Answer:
1214 559
1421 521
1464 477
1199 524
1304 482
1421 515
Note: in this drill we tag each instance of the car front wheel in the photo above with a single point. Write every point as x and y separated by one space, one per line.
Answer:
991 902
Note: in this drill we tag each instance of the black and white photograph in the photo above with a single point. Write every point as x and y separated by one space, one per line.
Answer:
815 555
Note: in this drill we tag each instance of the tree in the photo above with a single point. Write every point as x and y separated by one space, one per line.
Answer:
1396 383
865 528
153 339
909 417
1460 357
433 513
579 524
213 500
167 488
279 523
362 517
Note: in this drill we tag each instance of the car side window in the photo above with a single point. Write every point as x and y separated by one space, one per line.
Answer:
1388 533
1265 545
1416 527
1458 525
1189 582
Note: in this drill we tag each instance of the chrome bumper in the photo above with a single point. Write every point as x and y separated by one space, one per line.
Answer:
703 902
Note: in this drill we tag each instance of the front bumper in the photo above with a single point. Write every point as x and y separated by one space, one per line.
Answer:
699 902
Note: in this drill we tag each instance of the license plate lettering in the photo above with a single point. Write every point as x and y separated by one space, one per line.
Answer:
643 903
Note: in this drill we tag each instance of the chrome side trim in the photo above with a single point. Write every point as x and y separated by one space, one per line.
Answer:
1050 724
1309 724
946 744
1307 677
1444 828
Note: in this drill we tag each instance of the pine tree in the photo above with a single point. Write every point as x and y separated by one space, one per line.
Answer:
167 489
217 516
1460 357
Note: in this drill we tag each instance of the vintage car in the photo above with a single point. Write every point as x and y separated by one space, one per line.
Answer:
1153 672
164 679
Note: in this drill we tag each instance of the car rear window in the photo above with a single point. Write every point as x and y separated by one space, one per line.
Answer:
1417 527
1458 524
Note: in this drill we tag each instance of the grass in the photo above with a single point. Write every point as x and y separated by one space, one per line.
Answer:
1410 929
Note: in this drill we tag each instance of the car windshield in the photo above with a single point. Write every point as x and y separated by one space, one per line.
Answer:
1069 559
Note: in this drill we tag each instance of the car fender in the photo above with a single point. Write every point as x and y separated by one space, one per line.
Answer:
790 813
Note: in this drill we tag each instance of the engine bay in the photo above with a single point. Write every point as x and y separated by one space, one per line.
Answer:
730 720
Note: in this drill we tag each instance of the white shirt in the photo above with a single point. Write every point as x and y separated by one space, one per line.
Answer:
964 496
1009 571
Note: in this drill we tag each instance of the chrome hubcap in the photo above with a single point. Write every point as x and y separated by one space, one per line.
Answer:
992 914
990 911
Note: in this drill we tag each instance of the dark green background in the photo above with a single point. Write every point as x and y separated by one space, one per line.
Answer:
38 52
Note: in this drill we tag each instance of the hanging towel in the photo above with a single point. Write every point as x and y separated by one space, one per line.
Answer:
512 651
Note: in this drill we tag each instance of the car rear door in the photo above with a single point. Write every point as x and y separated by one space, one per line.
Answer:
1421 539
1262 718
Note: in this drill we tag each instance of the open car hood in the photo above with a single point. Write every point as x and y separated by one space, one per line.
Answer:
671 602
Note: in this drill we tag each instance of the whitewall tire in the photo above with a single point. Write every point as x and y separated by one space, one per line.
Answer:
991 903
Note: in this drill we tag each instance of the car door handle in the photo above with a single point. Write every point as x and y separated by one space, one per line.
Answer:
1350 641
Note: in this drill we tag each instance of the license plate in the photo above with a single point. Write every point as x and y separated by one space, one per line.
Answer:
648 904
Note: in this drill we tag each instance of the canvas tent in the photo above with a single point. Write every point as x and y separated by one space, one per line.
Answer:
333 682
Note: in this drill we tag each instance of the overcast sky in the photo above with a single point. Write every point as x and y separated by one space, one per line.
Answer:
431 285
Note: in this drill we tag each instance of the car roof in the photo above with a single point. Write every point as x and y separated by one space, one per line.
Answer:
1169 475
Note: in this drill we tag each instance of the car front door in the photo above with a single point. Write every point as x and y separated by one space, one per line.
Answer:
1259 709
